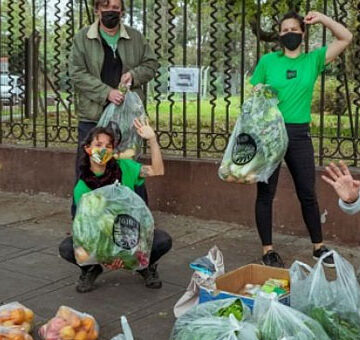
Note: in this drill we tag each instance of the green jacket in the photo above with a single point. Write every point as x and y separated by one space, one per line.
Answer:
86 60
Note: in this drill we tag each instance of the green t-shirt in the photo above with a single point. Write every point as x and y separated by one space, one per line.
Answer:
294 80
129 178
111 40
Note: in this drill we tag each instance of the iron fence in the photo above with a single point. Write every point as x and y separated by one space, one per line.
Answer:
223 38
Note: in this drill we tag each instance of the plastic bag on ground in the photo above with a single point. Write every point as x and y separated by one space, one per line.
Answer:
120 119
13 333
335 304
258 142
204 322
276 321
126 329
111 223
214 262
70 324
16 315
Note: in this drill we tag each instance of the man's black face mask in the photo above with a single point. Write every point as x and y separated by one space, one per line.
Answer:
110 19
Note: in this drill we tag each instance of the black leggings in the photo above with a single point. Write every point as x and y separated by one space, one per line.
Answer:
300 160
161 245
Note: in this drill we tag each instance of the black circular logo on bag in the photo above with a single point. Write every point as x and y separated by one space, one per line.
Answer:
244 149
126 231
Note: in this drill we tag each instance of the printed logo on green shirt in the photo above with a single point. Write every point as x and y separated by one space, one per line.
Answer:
290 74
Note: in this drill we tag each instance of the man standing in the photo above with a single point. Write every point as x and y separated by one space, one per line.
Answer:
104 55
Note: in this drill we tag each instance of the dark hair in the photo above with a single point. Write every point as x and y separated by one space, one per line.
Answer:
106 2
112 171
293 15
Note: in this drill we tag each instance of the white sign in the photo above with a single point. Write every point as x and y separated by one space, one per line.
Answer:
184 79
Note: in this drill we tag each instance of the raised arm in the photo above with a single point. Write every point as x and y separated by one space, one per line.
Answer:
342 35
157 166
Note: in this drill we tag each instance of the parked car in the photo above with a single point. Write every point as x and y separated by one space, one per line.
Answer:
11 90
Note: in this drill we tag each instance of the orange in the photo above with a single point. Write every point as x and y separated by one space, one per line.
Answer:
29 315
81 335
8 323
64 313
17 315
16 336
81 255
93 335
67 333
75 321
88 323
26 327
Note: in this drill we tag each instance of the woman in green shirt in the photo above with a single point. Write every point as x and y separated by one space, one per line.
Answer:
293 74
97 169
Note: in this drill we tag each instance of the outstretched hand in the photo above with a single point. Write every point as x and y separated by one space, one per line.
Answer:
343 183
144 130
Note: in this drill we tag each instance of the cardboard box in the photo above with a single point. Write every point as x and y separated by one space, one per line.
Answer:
231 284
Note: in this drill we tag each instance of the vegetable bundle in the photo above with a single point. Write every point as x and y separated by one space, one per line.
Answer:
111 223
214 320
258 142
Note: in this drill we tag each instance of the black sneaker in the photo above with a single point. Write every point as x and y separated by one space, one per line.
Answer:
272 259
87 279
328 261
151 277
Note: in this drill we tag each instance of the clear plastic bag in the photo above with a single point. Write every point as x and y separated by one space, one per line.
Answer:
258 142
13 333
335 304
70 324
276 321
111 223
16 315
203 322
126 329
120 118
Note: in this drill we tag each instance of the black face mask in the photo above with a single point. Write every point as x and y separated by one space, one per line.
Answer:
291 40
110 19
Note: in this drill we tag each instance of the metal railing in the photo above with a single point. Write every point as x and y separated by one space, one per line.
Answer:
223 38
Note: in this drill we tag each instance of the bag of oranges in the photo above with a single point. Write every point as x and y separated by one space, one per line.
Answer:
69 324
16 315
13 333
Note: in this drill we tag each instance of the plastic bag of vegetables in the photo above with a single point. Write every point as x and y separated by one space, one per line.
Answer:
276 321
334 304
11 333
258 142
113 222
120 119
215 320
70 324
14 314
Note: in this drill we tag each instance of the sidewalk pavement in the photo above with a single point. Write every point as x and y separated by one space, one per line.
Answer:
31 272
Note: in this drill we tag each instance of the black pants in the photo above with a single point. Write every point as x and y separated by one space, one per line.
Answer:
83 130
300 161
161 245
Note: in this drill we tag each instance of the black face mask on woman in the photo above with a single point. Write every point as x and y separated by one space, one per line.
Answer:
291 40
110 19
